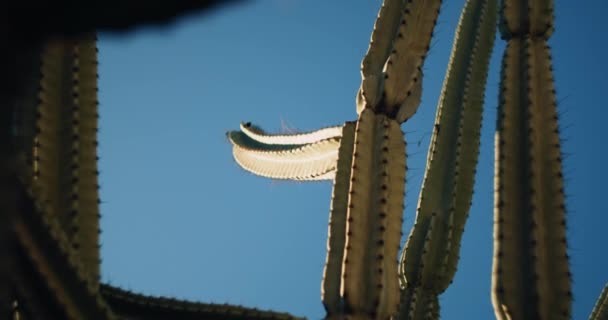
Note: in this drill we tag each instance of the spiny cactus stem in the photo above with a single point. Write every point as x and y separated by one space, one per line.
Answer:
392 68
374 217
336 235
531 273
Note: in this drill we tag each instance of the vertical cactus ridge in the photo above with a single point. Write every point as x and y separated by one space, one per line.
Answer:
85 201
309 162
431 254
256 133
600 310
65 147
391 70
526 17
336 233
374 216
531 276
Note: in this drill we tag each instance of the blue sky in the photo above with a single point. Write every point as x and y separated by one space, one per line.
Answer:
181 219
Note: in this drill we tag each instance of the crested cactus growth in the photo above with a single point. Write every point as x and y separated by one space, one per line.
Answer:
531 276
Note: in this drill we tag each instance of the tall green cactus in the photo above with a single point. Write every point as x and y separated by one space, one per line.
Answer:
531 273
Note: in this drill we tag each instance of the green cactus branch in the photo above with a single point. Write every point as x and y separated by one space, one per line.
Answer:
600 310
531 275
336 233
430 258
391 71
129 305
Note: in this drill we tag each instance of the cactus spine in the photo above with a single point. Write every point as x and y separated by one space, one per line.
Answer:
531 277
430 257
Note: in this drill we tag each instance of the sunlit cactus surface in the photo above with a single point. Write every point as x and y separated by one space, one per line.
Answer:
49 218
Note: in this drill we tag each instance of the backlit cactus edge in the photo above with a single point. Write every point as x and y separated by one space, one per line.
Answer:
50 213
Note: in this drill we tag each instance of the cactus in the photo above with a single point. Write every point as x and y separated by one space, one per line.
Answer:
531 276
360 277
49 211
391 85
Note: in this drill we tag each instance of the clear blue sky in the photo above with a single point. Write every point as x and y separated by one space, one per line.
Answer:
181 219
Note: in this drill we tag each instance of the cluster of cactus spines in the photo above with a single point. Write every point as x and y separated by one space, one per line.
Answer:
129 305
600 310
65 146
531 275
430 258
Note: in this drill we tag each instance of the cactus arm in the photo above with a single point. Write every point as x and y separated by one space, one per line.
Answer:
65 146
381 44
411 44
313 161
430 257
600 310
336 235
531 276
259 135
374 217
129 305
391 71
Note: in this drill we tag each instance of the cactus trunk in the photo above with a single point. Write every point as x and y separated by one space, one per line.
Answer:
531 276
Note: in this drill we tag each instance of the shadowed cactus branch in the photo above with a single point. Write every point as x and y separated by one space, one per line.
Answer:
65 144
